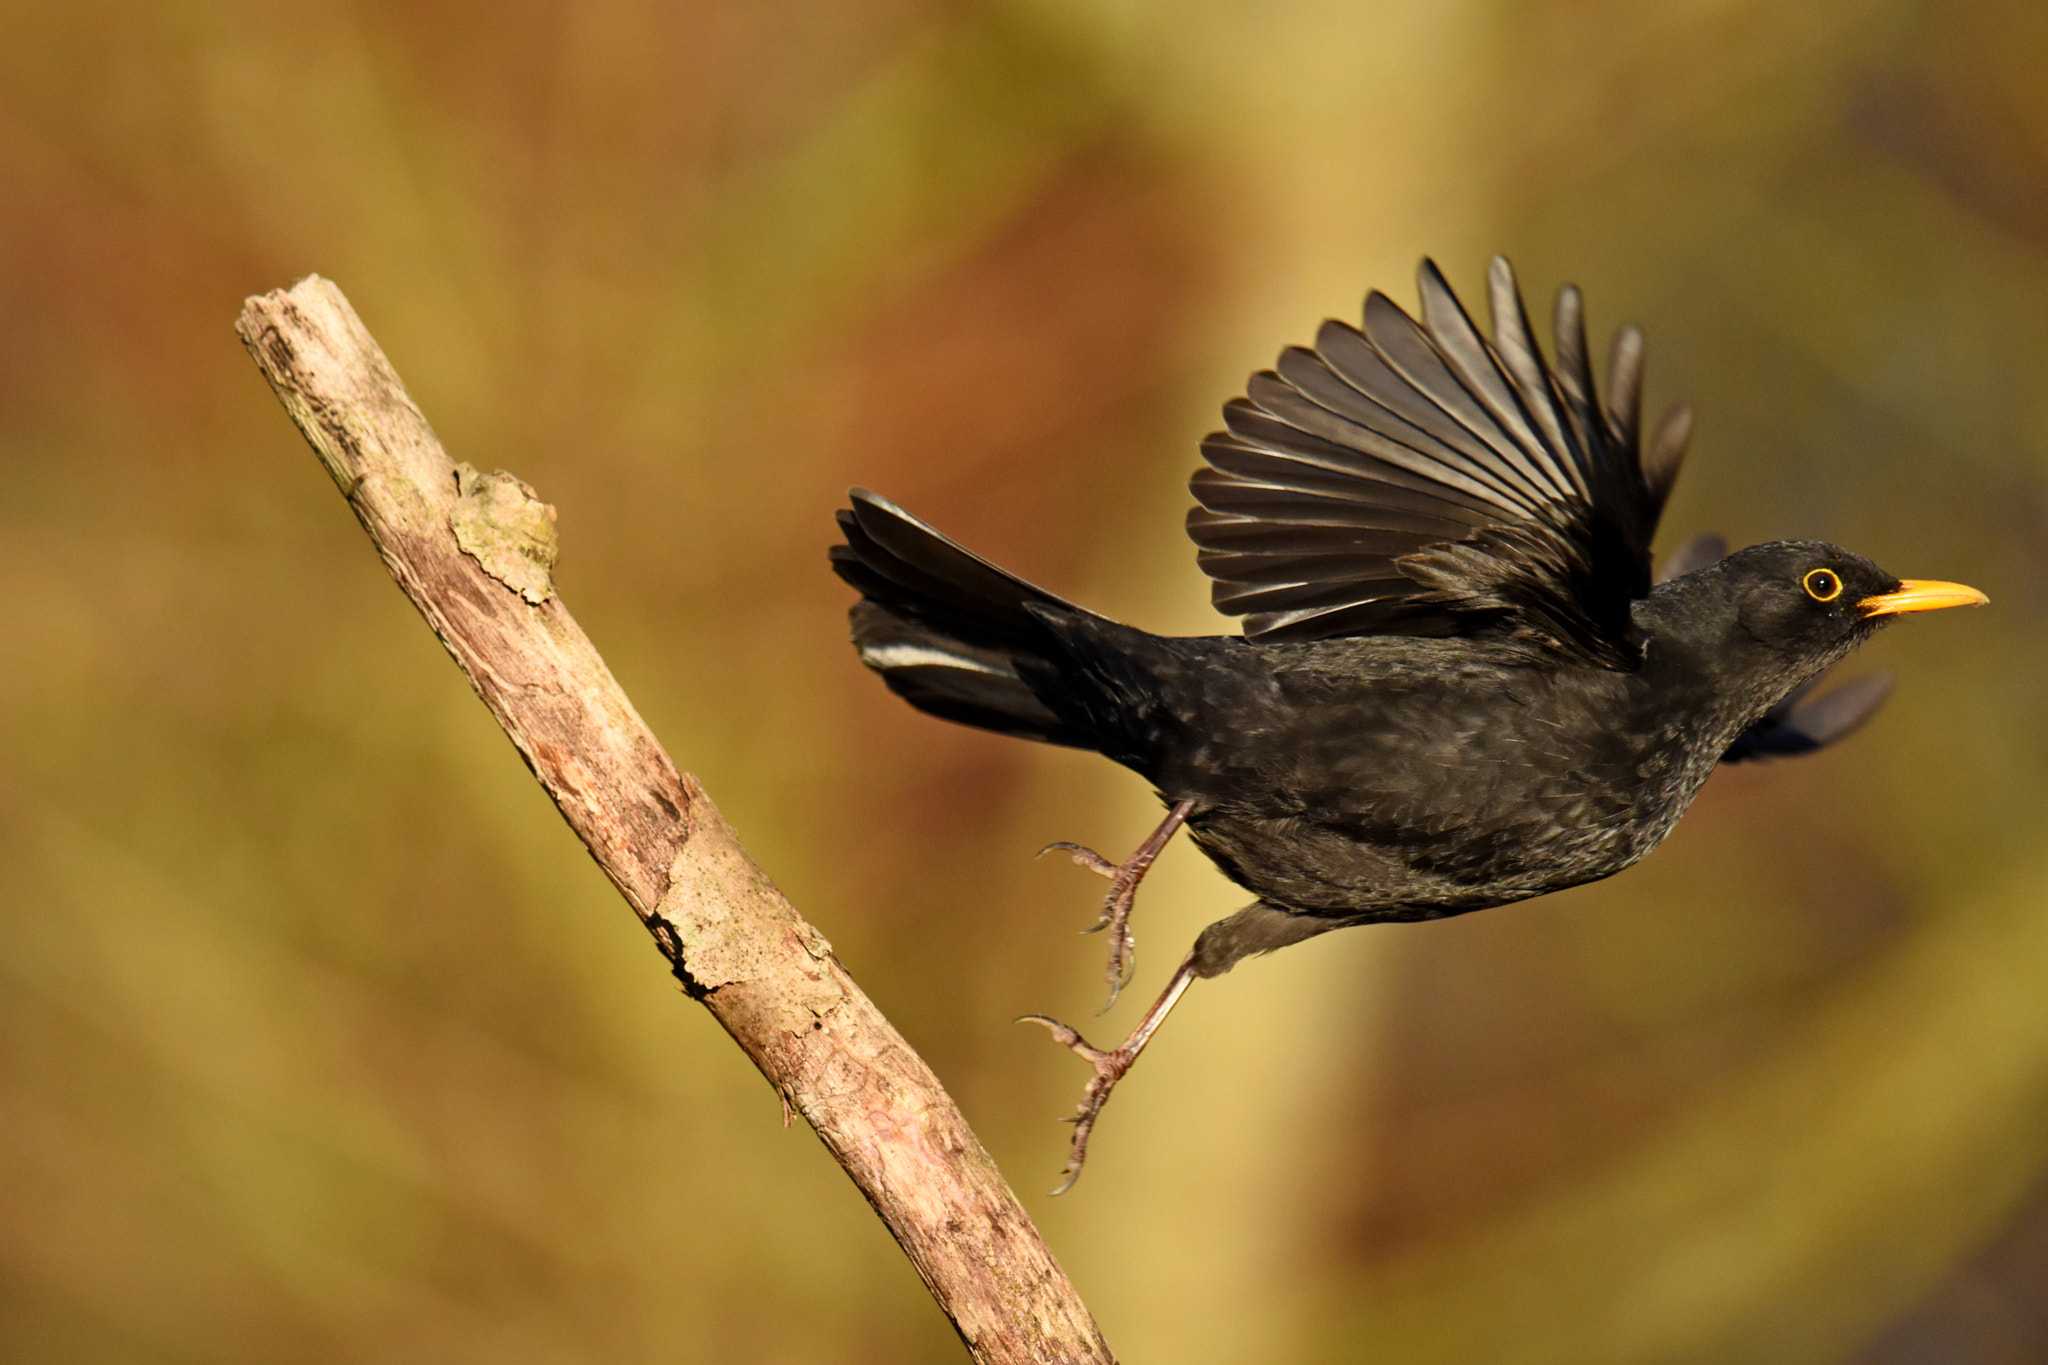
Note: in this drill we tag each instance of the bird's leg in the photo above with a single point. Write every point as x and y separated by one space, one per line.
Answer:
1123 891
1110 1065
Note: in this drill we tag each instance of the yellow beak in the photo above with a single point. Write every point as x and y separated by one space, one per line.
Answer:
1921 594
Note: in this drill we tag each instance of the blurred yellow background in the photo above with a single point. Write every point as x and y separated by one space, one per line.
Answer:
321 1040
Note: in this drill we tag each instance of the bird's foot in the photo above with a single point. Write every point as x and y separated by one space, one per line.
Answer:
1123 893
1110 1066
1116 910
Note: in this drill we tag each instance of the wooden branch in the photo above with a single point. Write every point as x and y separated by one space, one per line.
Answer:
474 553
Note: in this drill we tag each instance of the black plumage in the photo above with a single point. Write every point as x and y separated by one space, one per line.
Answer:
1458 685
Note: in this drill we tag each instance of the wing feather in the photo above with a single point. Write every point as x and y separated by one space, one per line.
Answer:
1412 477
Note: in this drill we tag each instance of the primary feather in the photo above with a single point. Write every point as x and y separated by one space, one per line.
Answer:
1411 478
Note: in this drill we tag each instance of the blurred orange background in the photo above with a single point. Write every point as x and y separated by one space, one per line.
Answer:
320 1038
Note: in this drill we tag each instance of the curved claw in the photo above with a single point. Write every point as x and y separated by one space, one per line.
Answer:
1063 1035
1085 856
1123 965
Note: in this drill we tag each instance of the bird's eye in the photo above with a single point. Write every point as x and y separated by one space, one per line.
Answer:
1823 585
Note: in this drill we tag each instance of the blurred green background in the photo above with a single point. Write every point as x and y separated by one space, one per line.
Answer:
320 1038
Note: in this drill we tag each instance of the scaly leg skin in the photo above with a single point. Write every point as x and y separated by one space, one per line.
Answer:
1123 893
1110 1066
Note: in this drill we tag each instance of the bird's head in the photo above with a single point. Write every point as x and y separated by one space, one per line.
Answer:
1775 615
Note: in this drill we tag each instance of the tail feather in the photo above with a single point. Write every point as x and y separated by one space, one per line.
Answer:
948 631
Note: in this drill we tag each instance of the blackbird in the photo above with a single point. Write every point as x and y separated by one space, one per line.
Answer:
1458 685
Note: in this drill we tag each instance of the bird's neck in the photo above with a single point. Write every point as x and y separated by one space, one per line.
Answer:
1688 672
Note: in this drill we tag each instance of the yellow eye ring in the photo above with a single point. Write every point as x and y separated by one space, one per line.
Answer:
1822 585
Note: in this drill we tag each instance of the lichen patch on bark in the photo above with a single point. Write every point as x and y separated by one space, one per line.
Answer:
501 524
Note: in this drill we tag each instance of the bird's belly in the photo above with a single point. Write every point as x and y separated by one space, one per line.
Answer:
1428 834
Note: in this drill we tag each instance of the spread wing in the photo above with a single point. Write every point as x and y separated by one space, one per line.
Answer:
1412 478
